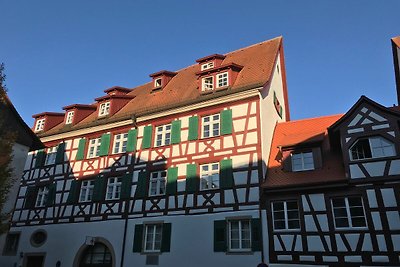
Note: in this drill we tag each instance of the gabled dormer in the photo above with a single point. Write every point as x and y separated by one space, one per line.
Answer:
77 112
47 120
116 98
215 75
161 79
368 136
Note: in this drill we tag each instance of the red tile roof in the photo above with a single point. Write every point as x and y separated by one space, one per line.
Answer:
297 133
257 61
396 40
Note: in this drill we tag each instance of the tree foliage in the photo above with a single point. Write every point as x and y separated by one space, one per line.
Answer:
7 138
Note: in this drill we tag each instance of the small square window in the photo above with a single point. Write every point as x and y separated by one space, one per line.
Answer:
303 161
207 83
94 148
209 176
153 237
11 245
70 116
222 80
39 125
210 126
157 82
348 212
285 215
104 109
163 135
207 66
120 143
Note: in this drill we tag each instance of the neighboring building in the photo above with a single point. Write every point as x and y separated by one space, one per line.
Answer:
332 189
396 61
165 174
25 141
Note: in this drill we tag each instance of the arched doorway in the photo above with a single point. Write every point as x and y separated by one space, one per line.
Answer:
97 255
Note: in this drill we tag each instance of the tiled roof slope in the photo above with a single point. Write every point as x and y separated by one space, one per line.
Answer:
257 61
296 133
396 40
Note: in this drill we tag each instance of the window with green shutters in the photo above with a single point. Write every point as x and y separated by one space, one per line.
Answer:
226 122
99 188
226 174
192 179
60 153
105 144
141 188
147 136
132 140
80 155
193 128
152 237
216 124
40 158
51 195
176 132
172 179
126 186
30 197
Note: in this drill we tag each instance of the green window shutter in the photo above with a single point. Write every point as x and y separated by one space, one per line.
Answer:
81 149
220 236
147 133
166 237
132 140
60 153
30 197
105 144
226 121
256 235
126 186
141 189
226 174
193 128
176 132
192 180
172 177
74 192
40 158
98 190
138 238
51 195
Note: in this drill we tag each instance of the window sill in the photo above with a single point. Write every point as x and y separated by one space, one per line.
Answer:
244 252
207 92
223 88
354 161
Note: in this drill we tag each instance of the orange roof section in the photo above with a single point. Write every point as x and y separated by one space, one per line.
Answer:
396 41
297 133
257 61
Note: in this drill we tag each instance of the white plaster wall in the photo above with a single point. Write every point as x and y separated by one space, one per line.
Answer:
192 241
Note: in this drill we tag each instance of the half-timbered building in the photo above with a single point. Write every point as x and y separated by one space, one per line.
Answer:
159 174
332 193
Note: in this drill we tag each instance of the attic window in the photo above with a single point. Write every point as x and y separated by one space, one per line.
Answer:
372 147
207 83
70 116
39 125
208 65
222 79
157 82
303 161
104 109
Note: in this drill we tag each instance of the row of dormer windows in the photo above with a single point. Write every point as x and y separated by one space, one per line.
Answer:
216 81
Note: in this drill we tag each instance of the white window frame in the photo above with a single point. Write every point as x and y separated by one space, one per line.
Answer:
113 188
94 148
209 179
104 109
240 239
158 182
206 85
120 143
158 82
302 156
51 154
70 116
222 81
42 195
86 192
156 237
162 133
286 216
348 213
207 66
210 121
373 149
39 125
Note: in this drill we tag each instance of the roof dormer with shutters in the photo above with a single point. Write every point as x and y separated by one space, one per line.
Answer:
215 75
116 98
46 120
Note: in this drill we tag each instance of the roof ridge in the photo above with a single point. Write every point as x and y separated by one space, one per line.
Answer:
314 118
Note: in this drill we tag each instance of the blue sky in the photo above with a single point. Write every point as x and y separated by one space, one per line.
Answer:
63 52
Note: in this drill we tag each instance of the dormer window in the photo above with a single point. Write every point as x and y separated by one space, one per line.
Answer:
208 65
39 125
303 161
157 82
372 147
222 79
70 116
104 109
207 83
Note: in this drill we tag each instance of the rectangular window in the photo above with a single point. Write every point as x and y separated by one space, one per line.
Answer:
157 82
114 188
209 176
163 135
153 235
51 154
285 215
303 161
86 191
120 142
70 116
222 80
210 126
94 148
348 212
42 195
207 83
239 235
207 66
157 183
11 245
39 125
104 109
